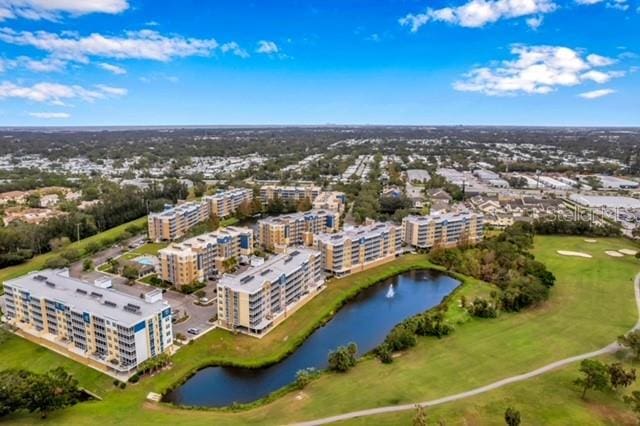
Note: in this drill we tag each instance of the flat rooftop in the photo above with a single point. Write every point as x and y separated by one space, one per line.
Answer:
252 280
291 217
606 201
206 239
441 217
355 233
56 285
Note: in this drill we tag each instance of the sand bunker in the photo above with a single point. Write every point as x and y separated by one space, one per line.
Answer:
573 253
590 240
628 251
614 253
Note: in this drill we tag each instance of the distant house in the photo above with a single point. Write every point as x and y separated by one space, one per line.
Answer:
439 194
49 200
19 197
392 191
33 216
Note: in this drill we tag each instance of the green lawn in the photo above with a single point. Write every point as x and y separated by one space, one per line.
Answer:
38 262
146 249
591 304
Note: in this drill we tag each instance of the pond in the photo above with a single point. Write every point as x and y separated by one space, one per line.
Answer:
365 320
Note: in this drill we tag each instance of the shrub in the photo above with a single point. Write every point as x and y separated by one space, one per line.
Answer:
343 358
482 308
305 376
384 353
56 263
401 338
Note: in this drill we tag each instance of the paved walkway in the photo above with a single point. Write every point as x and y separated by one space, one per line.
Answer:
613 347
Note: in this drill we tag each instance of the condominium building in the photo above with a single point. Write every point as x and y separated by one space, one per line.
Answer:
278 233
256 300
225 203
330 200
445 230
204 256
174 222
111 331
289 193
359 248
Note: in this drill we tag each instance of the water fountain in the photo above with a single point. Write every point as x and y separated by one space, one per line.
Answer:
391 292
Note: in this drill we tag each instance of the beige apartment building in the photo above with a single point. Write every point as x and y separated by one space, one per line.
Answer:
204 256
289 193
225 203
277 233
359 248
255 301
330 200
175 222
444 230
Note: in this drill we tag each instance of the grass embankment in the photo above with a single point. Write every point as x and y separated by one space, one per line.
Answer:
590 305
39 261
146 249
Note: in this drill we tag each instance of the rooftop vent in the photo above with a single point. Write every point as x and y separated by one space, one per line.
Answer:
246 279
81 291
265 272
110 304
40 278
94 294
50 284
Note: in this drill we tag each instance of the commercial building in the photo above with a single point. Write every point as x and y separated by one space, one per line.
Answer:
278 233
225 203
174 222
112 331
256 300
289 193
330 200
445 230
359 248
610 202
612 182
204 256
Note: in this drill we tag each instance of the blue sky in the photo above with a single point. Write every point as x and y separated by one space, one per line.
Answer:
144 62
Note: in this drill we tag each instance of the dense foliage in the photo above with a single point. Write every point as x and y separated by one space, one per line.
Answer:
575 227
43 393
505 261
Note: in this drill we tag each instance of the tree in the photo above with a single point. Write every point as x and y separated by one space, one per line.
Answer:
633 400
631 341
304 205
595 376
636 233
420 418
44 393
130 272
343 358
619 377
384 354
305 376
214 221
512 417
87 265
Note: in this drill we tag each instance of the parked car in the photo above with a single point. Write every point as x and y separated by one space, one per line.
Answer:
194 331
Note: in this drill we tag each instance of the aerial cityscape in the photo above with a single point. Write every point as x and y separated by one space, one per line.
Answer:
306 213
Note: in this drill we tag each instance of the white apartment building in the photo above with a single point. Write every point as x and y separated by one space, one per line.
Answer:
278 233
225 203
112 331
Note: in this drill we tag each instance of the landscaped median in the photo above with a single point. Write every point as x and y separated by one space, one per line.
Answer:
39 262
591 304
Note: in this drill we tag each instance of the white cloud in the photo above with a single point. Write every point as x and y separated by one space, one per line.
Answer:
110 90
478 13
234 48
115 69
536 70
267 47
594 94
614 4
535 22
51 9
143 44
56 93
50 115
35 65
